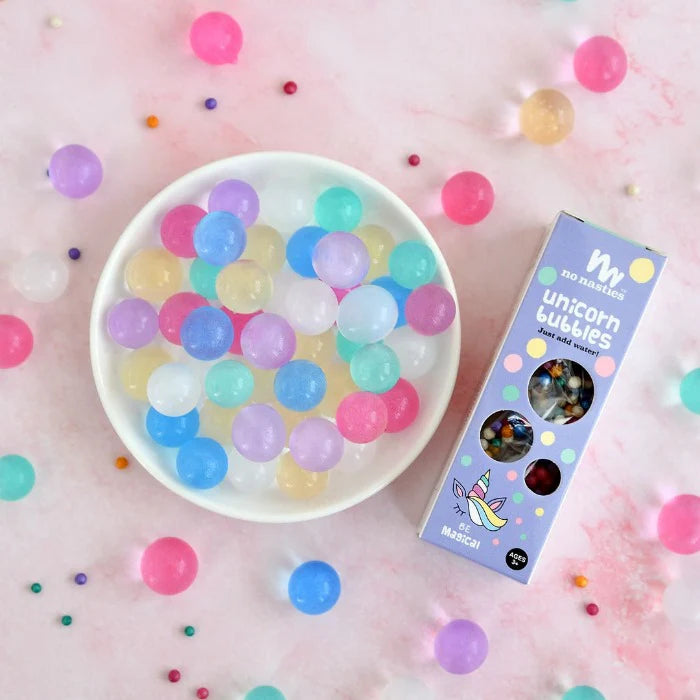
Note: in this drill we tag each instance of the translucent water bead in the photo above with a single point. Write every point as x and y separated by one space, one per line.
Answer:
311 307
417 353
229 383
467 197
258 432
286 204
412 263
546 117
154 274
203 278
236 197
264 692
177 229
341 260
300 248
268 341
75 171
172 431
169 566
300 385
361 417
16 341
402 404
678 524
367 314
40 276
314 587
399 293
690 390
583 692
132 323
137 367
251 477
173 389
316 444
379 243
339 384
299 483
266 247
174 311
244 286
406 688
375 368
219 238
202 463
216 421
216 38
600 64
317 348
338 209
461 646
430 309
206 333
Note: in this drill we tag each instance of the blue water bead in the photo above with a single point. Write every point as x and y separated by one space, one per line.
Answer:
314 587
300 385
202 463
206 333
172 431
399 293
300 248
219 238
338 209
203 278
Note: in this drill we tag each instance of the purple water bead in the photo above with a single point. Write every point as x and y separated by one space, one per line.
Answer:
237 197
341 260
316 444
461 646
430 309
132 323
75 171
268 341
258 432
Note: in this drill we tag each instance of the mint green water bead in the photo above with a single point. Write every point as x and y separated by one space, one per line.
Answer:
16 477
375 368
338 209
690 390
264 692
229 383
345 348
412 264
203 278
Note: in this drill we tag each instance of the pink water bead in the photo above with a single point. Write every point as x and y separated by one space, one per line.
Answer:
16 341
177 229
430 309
239 322
361 417
175 310
169 566
216 38
402 405
679 524
467 197
600 64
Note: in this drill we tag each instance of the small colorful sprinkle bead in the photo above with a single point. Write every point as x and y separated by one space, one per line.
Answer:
121 462
189 631
290 87
74 253
210 103
80 579
55 22
414 159
202 693
66 620
152 121
35 588
174 675
581 581
592 609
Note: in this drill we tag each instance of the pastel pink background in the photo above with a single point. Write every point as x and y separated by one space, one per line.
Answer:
377 81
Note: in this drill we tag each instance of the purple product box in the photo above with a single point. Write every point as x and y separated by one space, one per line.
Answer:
513 464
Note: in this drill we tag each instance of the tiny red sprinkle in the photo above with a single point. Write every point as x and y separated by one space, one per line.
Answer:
592 609
174 676
202 693
290 87
414 159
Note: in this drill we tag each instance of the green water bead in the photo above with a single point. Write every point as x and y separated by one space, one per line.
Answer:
66 620
375 367
264 692
16 477
345 348
203 278
690 390
189 631
338 209
229 383
35 588
412 264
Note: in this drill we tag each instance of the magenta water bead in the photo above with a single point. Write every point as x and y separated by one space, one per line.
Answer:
177 229
430 309
216 38
600 64
169 566
16 341
174 311
461 646
341 260
132 323
316 444
679 524
268 341
75 171
467 197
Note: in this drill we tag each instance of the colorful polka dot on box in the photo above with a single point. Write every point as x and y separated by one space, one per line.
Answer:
559 359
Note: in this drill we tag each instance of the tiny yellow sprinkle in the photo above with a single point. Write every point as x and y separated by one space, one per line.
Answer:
633 190
55 22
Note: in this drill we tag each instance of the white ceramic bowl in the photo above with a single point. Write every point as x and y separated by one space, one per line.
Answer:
348 484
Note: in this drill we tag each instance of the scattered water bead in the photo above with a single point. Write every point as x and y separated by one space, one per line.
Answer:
300 248
583 692
16 477
300 385
316 444
467 197
361 417
258 432
216 421
172 431
600 64
229 383
132 323
690 390
174 311
203 278
206 333
678 524
239 322
317 348
314 587
219 238
169 566
154 274
430 309
417 353
338 209
264 692
346 348
402 405
40 276
546 117
399 293
681 603
202 463
286 204
311 307
16 341
379 243
412 264
216 38
177 229
299 483
266 247
367 314
338 385
137 367
237 198
375 368
341 260
75 171
268 341
173 389
244 286
251 477
406 688
461 646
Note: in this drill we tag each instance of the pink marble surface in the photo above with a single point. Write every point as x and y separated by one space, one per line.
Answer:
377 80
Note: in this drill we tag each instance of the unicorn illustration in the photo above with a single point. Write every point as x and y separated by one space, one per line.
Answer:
480 512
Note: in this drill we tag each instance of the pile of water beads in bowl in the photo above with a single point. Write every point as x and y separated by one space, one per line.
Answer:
262 359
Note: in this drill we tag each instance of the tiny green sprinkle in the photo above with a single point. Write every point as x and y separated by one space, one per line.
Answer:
189 631
66 620
36 588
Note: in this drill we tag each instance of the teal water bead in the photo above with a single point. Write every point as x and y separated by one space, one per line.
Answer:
16 477
338 209
412 264
264 692
583 692
375 368
346 348
229 383
203 278
690 390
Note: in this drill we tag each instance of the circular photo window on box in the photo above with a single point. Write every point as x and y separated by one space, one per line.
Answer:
542 477
560 391
506 436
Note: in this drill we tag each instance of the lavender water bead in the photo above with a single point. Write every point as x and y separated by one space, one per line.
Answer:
316 444
341 260
132 323
206 333
237 197
461 646
430 309
268 341
75 171
258 432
